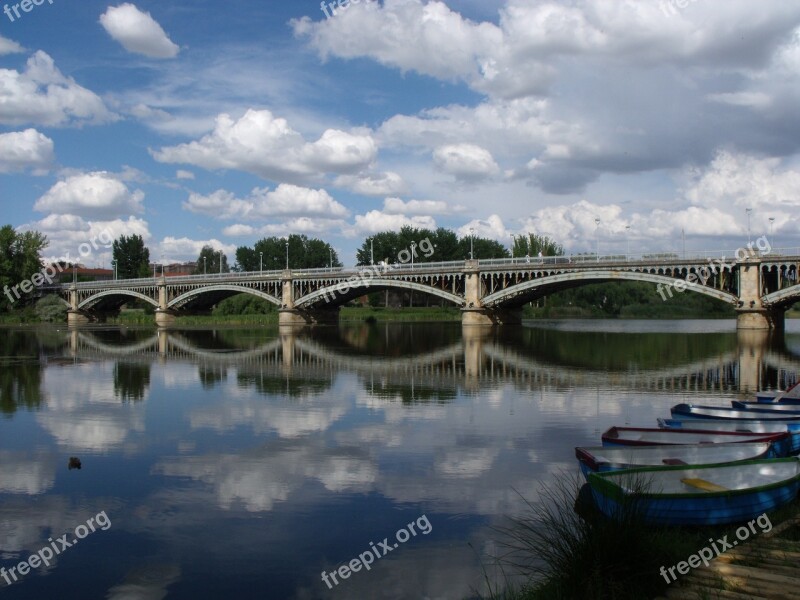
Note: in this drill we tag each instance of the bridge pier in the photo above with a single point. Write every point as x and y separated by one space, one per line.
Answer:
751 312
298 317
77 317
491 316
165 317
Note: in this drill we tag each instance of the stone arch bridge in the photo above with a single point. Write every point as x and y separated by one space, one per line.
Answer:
760 286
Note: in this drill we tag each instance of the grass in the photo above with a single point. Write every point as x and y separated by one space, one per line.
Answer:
566 550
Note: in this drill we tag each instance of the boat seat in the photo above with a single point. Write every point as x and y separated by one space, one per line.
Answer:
702 484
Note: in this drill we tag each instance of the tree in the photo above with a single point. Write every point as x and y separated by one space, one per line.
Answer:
482 248
131 256
533 244
269 254
19 258
211 262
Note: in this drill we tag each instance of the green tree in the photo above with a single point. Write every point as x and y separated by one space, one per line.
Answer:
208 261
19 260
131 256
269 254
532 244
482 248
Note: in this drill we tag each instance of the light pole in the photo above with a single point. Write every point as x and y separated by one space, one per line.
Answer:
513 242
330 258
413 248
597 237
748 211
771 223
371 253
162 265
204 265
114 264
628 239
287 255
260 263
220 262
471 237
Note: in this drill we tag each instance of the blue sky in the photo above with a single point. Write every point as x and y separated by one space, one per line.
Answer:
202 122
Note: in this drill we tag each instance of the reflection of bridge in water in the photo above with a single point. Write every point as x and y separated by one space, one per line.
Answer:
477 360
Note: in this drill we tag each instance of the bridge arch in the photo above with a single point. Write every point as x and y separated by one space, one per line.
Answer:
572 279
94 298
345 291
783 298
238 289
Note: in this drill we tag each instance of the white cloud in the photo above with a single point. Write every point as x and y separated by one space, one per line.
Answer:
376 221
465 161
182 174
137 31
44 96
396 206
286 200
491 228
267 146
98 194
8 46
183 249
21 150
372 184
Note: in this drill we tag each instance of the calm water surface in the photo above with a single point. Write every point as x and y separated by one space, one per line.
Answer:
242 463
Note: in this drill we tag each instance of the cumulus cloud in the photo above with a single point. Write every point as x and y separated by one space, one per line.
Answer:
372 184
42 95
21 150
8 46
137 31
396 206
99 194
267 146
182 174
376 221
465 161
286 200
181 249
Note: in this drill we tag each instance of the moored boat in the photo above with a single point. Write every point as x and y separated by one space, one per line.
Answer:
698 495
695 411
600 459
763 407
791 395
739 425
641 436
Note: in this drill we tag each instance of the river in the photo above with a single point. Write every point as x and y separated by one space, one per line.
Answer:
245 462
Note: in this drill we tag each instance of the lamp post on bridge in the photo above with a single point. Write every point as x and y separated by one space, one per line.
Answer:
628 240
287 254
114 264
330 258
260 263
220 262
471 238
371 253
748 211
771 223
597 237
513 242
204 265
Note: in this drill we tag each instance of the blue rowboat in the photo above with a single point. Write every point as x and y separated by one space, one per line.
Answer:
740 425
698 495
766 397
600 459
641 436
695 411
766 408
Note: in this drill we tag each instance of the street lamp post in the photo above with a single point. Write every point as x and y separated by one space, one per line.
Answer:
471 238
204 265
287 255
220 262
371 253
771 223
413 248
748 211
260 263
597 237
114 263
628 240
330 258
513 241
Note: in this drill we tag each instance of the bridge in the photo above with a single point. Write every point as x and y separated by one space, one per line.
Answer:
761 287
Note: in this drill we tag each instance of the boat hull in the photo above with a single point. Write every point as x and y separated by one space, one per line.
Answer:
612 497
636 436
604 459
690 411
754 426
